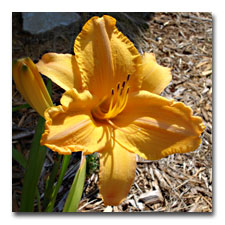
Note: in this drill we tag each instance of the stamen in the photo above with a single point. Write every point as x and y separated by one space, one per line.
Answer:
118 86
112 100
117 101
120 104
125 101
121 91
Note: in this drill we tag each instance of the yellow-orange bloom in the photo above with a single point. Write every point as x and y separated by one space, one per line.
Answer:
111 105
30 84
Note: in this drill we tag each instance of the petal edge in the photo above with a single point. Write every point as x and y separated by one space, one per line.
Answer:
159 127
62 69
155 77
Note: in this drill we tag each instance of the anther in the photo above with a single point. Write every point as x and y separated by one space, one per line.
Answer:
117 101
128 77
118 86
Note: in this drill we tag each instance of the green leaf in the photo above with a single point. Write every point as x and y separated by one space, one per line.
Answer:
65 163
49 87
50 181
33 169
19 157
76 190
16 108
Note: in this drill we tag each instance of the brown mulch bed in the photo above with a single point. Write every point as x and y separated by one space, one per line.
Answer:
178 183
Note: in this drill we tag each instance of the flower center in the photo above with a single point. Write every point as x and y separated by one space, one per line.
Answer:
110 107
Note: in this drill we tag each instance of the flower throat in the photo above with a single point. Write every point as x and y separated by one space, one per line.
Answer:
117 102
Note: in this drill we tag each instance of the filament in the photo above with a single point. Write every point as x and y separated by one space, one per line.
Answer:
117 102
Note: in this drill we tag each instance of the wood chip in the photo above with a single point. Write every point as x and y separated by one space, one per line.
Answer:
205 73
108 209
151 197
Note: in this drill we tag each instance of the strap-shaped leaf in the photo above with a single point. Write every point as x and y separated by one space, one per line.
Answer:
49 187
76 190
33 169
34 166
55 190
19 157
16 108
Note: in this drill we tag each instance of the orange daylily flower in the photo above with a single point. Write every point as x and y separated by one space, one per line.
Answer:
111 105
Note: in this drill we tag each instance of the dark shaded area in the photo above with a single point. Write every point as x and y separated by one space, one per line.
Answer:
61 39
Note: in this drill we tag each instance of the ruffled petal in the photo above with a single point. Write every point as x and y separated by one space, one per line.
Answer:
75 101
155 77
105 56
117 172
70 127
155 127
62 69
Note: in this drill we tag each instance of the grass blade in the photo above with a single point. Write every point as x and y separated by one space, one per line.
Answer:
76 190
65 163
33 169
49 87
50 182
19 157
16 108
